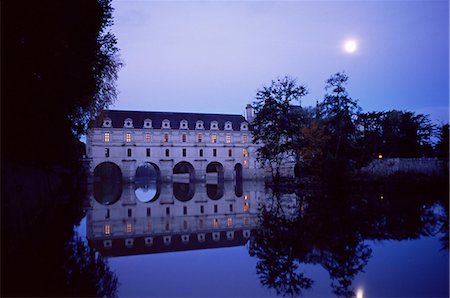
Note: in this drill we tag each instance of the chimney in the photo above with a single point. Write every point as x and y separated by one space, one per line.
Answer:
249 113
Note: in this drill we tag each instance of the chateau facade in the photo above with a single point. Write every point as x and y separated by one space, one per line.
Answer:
179 146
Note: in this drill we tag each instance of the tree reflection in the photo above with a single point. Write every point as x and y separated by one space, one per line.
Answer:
329 227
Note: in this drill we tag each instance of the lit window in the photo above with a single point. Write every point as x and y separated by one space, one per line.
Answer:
230 152
244 152
147 137
129 229
228 139
199 137
244 138
106 137
245 207
214 138
246 197
230 221
166 137
216 222
184 138
128 137
107 229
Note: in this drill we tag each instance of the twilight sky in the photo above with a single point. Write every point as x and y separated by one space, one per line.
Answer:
212 56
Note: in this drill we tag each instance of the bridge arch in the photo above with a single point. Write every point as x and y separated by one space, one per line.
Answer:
181 169
147 186
238 187
215 167
107 183
183 191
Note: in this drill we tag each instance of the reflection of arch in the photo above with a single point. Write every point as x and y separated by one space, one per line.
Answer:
183 191
147 186
107 183
238 189
184 167
215 167
215 191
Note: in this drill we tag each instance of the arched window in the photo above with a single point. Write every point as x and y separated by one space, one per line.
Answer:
147 123
228 125
107 122
166 123
128 122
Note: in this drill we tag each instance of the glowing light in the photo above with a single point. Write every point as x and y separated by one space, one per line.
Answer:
359 293
107 229
350 46
381 197
380 156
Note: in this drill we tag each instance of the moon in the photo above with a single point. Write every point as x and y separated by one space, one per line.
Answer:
350 46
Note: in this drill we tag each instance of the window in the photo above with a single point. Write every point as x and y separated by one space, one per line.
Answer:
216 222
244 138
200 153
147 137
128 137
231 207
167 152
199 137
106 152
215 209
230 153
107 229
166 137
149 211
183 124
214 138
129 212
106 137
184 152
166 123
199 125
230 221
184 210
202 209
214 152
228 138
129 229
147 152
184 138
129 152
244 152
167 210
107 213
246 207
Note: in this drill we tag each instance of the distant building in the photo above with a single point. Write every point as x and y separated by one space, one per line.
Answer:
179 146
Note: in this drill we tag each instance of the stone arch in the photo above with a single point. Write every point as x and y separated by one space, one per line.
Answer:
215 191
216 167
107 183
183 191
184 170
147 182
238 187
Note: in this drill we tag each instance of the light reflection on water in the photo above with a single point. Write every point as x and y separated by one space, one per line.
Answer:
340 243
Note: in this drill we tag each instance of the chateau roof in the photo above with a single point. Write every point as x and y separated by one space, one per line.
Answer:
118 117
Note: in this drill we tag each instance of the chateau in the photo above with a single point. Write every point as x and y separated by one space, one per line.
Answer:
180 147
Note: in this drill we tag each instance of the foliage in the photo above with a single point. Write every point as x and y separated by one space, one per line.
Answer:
277 121
62 64
442 146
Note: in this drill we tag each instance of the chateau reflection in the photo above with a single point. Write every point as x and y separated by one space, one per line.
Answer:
152 217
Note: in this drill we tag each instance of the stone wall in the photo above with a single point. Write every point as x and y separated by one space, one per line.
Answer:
390 166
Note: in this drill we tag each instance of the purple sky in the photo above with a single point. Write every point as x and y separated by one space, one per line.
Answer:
212 56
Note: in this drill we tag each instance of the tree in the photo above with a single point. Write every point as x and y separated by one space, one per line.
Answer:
277 121
442 146
60 67
339 112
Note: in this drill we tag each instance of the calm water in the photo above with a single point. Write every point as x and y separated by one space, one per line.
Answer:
224 240
227 240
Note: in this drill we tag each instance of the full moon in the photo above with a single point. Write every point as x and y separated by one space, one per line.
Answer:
350 46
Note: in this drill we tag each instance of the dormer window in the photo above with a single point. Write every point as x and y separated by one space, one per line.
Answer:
107 122
147 123
183 124
128 122
214 125
166 123
199 125
244 126
228 125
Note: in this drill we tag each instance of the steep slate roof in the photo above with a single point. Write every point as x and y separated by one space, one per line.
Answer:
118 118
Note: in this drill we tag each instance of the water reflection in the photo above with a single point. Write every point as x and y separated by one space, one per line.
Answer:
330 229
146 189
183 216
